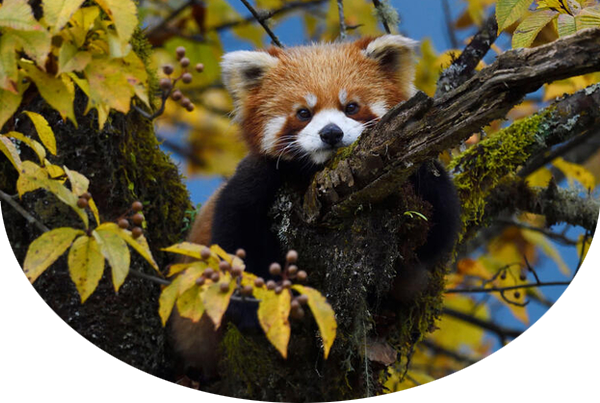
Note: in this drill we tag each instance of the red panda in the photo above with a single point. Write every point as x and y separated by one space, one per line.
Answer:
296 107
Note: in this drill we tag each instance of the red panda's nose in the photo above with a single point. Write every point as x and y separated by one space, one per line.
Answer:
331 134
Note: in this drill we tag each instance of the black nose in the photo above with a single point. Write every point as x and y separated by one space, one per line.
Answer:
331 134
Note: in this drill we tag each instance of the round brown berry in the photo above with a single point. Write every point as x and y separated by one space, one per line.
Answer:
185 102
82 203
517 294
236 271
259 282
165 83
275 269
137 219
205 253
294 304
246 290
137 206
301 276
292 256
302 299
184 62
87 195
286 284
136 232
292 270
168 69
224 266
215 277
224 287
200 281
190 107
241 253
278 289
199 67
180 52
186 78
208 272
271 285
297 313
123 223
176 95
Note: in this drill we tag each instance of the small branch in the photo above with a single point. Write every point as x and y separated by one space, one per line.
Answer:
263 23
504 333
437 349
145 276
463 68
550 234
382 16
31 219
182 151
449 27
478 290
340 4
174 14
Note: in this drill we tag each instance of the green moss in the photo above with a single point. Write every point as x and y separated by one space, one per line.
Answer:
482 167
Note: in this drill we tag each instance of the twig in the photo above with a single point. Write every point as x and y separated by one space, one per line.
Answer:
581 253
145 276
31 219
437 349
262 22
181 151
504 333
340 4
174 14
550 234
503 289
424 389
384 21
449 27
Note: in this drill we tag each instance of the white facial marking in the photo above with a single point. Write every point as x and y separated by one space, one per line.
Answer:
270 132
310 141
379 108
343 96
311 100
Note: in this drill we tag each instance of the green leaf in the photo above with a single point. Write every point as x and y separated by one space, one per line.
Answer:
115 250
273 316
9 75
166 301
9 103
323 314
71 59
124 15
48 247
17 14
510 11
79 183
140 245
58 12
85 17
39 150
8 148
86 265
58 92
43 130
35 43
216 301
528 29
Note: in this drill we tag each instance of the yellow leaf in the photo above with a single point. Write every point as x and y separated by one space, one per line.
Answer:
58 92
102 109
323 314
17 14
116 252
71 59
34 145
58 12
48 247
510 11
429 383
538 239
562 6
124 15
79 183
568 370
94 210
413 378
9 103
9 74
528 29
44 131
539 178
35 43
187 249
140 245
108 85
84 17
582 248
86 265
221 253
136 75
188 278
273 316
531 359
589 17
55 171
575 172
566 25
166 301
216 301
9 149
190 304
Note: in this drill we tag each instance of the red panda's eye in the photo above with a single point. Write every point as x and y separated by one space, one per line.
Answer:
303 114
352 108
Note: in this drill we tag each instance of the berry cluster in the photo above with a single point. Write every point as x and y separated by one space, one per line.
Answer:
224 267
84 200
167 84
137 218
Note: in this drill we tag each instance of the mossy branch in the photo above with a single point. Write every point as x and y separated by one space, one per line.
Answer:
420 128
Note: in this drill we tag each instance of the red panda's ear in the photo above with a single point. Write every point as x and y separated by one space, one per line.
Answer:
244 69
394 53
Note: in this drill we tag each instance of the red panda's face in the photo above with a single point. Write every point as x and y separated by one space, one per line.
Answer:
303 103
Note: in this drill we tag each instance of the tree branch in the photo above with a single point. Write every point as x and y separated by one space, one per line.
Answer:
420 128
263 23
340 4
31 219
504 332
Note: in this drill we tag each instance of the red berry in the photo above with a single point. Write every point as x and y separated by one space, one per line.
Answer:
137 206
137 219
136 232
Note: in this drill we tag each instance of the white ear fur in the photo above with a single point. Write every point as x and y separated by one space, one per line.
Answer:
395 53
243 69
